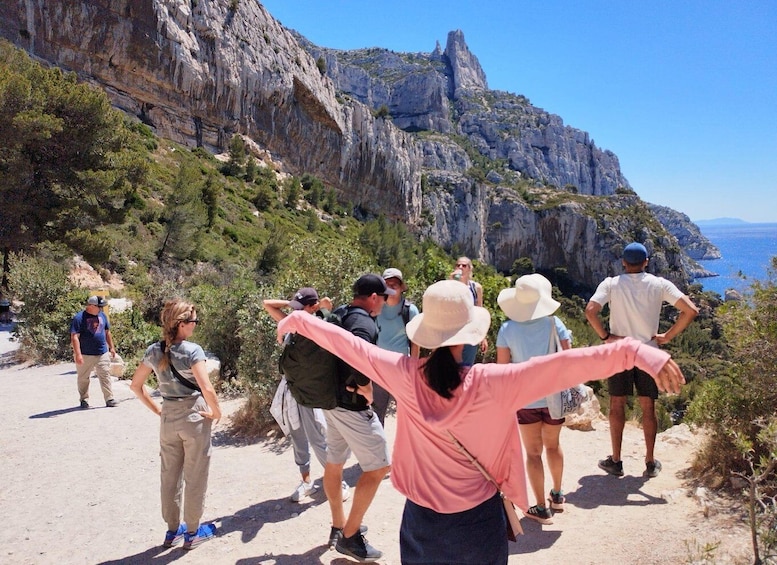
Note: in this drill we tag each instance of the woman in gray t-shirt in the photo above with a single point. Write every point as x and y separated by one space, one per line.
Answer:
188 409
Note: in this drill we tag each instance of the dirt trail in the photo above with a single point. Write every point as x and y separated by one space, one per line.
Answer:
82 487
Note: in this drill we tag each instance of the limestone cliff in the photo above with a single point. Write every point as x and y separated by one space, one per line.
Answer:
456 161
199 72
446 91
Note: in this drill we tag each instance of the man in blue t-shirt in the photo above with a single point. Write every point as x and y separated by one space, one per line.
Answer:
90 336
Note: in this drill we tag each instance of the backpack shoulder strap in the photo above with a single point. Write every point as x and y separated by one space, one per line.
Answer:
405 311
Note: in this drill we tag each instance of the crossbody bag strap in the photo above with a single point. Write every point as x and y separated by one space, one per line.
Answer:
183 380
554 343
513 522
474 461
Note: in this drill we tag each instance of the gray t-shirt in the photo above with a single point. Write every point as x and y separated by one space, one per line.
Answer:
183 355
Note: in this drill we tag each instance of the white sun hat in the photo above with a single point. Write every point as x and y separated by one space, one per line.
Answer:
449 317
530 299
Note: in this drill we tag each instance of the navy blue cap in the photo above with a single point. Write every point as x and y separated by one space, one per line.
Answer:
635 253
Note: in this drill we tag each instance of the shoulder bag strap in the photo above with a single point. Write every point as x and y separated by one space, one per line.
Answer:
183 380
474 461
554 343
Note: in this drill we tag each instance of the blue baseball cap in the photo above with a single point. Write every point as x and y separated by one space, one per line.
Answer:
635 253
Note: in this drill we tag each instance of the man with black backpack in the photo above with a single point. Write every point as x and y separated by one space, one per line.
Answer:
396 313
305 425
353 426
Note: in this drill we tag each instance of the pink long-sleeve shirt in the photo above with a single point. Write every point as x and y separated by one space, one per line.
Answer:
427 467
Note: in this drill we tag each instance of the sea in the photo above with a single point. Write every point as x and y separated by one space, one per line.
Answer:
746 250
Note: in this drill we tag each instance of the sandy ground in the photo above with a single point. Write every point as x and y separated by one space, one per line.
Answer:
82 486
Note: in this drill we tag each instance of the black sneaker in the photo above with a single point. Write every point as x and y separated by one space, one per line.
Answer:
111 403
84 405
652 468
358 548
542 515
336 533
612 467
556 501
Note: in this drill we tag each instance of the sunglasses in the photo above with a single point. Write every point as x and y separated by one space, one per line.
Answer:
195 321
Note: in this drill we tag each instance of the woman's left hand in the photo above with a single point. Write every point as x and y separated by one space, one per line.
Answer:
287 325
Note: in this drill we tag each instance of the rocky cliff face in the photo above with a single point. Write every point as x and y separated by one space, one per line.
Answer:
199 72
446 91
688 234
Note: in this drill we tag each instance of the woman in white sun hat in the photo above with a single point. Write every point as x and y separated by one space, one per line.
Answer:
452 513
532 331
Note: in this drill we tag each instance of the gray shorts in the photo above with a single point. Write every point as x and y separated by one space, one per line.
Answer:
360 432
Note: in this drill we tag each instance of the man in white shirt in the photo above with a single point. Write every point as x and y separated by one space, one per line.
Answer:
635 299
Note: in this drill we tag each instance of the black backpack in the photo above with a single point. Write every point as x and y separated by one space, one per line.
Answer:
311 371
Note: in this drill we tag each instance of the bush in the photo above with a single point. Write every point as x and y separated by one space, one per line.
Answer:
746 390
131 336
50 302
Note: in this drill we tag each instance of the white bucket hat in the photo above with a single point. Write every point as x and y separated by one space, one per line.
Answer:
531 299
449 317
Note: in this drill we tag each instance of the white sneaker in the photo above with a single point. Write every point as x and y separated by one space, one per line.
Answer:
304 489
346 491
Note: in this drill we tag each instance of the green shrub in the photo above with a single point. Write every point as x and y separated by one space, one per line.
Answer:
131 336
50 302
745 390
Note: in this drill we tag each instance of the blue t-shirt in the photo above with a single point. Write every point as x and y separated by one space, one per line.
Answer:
530 339
391 328
183 355
91 332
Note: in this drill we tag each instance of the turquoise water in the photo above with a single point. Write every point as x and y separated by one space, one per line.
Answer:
745 248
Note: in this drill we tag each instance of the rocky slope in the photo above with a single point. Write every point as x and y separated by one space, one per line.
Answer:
454 160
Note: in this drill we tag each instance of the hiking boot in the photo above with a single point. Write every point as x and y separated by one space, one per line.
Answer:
111 403
612 467
346 491
652 468
174 537
358 548
336 533
541 515
203 534
556 501
304 489
84 405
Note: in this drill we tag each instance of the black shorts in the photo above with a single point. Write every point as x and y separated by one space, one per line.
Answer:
623 384
534 415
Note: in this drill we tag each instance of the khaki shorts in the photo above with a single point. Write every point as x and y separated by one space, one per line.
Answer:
357 431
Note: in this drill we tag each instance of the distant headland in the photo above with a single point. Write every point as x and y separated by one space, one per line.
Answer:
720 222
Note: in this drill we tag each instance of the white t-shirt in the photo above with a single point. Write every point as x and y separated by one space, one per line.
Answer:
635 303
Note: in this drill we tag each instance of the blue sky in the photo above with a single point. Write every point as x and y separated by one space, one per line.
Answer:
683 92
